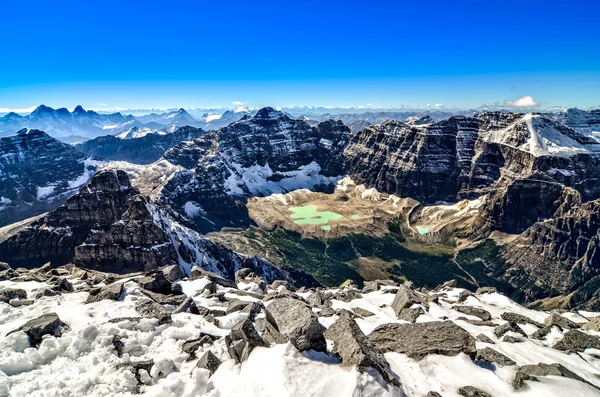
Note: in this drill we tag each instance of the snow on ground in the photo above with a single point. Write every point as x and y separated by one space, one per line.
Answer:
83 362
255 179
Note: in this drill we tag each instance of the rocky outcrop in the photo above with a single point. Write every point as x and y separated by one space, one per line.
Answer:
143 150
54 237
37 174
421 339
47 324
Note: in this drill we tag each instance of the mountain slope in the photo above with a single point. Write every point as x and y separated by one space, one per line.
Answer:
38 173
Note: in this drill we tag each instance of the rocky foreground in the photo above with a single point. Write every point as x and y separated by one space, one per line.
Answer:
71 332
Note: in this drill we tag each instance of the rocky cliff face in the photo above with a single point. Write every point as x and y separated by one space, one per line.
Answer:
143 150
108 226
54 237
258 155
37 173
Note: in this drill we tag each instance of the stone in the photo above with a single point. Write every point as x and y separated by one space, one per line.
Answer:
236 306
531 372
470 391
485 339
577 341
420 339
410 314
560 321
519 319
110 292
297 321
277 284
492 356
433 394
500 330
45 292
47 324
165 299
512 339
362 312
187 306
356 349
157 282
20 302
172 273
7 294
486 290
593 324
405 298
541 333
348 284
242 339
269 332
118 345
209 361
474 311
64 285
150 309
347 296
215 278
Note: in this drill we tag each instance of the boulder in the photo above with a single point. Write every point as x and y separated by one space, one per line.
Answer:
560 321
172 273
198 272
150 309
474 311
45 292
157 282
419 340
512 339
362 312
269 332
470 391
531 372
356 349
47 324
405 298
500 330
20 302
485 339
277 284
209 361
242 339
492 356
188 305
410 314
7 294
577 341
486 290
110 292
296 320
541 333
593 324
118 345
519 319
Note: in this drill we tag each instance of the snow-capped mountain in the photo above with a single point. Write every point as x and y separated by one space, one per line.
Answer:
60 123
38 173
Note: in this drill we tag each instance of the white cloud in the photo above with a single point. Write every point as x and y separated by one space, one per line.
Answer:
238 103
101 104
526 101
439 105
23 110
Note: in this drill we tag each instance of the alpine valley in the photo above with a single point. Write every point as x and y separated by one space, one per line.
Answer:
230 252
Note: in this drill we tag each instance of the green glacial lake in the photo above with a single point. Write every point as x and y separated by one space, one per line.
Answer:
355 217
422 230
308 215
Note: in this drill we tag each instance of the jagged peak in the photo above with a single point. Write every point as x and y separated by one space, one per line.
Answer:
79 109
269 113
42 109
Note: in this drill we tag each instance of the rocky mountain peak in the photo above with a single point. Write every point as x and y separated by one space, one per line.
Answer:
79 110
269 113
42 110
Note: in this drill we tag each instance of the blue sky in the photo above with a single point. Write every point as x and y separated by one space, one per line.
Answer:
135 54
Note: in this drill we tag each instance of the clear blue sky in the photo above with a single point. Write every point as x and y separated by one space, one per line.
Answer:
346 53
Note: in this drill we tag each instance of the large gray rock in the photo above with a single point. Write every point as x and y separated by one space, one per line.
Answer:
6 294
560 321
296 320
172 273
419 340
111 292
157 282
209 361
150 309
500 330
519 319
470 391
47 324
405 298
198 272
531 372
577 341
492 356
474 311
242 339
356 349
